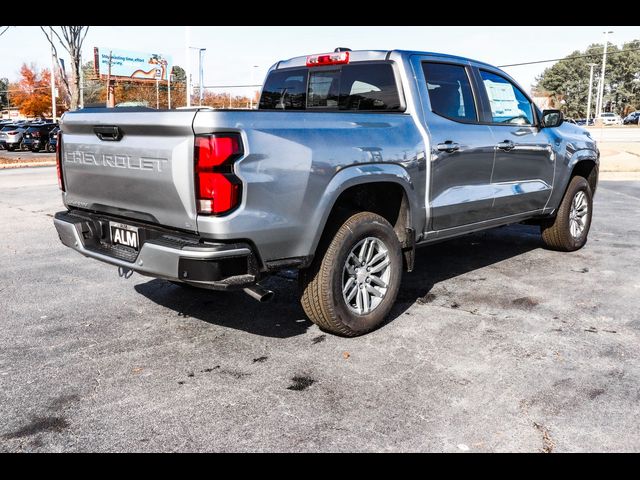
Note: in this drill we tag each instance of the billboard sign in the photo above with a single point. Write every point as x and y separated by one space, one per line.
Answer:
134 65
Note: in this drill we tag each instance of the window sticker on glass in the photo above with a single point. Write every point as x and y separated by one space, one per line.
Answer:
502 99
508 104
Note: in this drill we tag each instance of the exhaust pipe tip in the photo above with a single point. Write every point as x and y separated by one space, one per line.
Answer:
258 293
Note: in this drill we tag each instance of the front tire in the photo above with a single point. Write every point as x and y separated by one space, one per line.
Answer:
352 285
568 231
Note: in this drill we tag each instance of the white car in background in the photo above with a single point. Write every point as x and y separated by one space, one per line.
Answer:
609 118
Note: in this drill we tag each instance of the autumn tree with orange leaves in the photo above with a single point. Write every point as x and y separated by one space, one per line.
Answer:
32 93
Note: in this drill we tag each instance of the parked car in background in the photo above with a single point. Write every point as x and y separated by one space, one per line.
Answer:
632 119
53 140
11 136
36 137
610 118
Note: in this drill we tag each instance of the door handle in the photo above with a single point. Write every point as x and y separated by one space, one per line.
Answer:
448 146
108 133
506 145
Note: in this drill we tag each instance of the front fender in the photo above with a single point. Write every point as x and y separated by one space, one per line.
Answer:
564 175
358 175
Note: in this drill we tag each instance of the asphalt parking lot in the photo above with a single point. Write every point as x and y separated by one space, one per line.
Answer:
495 345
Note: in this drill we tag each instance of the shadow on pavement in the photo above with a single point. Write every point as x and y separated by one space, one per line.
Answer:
442 261
283 317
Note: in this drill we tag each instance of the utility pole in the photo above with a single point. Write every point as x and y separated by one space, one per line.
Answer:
169 90
111 99
157 93
604 66
53 80
188 54
590 91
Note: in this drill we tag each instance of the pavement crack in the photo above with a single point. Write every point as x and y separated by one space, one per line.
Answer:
547 443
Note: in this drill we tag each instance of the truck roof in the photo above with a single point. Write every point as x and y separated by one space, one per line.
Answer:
364 55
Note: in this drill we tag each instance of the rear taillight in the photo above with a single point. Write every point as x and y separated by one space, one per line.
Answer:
59 162
217 188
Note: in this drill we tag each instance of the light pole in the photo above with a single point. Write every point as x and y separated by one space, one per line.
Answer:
601 85
590 90
187 52
81 83
201 80
250 95
200 72
53 81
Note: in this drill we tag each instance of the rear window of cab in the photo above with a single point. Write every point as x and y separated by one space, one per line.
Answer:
353 87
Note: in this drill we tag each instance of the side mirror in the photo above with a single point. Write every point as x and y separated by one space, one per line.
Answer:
551 118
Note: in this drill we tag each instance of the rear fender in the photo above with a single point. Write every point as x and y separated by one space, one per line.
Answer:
358 175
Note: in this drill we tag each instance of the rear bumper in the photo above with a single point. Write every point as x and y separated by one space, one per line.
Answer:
171 256
33 143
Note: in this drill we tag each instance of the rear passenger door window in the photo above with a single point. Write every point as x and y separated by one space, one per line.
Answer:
508 104
450 93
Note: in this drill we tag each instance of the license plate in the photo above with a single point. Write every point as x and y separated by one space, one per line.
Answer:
122 234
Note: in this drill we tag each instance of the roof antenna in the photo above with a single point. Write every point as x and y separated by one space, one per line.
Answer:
342 49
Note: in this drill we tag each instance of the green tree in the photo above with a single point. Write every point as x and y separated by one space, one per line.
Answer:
179 75
94 88
4 94
623 90
567 81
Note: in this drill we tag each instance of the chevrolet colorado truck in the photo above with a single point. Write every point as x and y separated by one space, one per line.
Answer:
352 160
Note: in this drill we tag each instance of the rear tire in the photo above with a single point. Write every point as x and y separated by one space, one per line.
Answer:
353 282
10 148
569 230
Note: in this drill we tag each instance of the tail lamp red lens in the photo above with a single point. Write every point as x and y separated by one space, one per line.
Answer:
335 58
217 188
59 162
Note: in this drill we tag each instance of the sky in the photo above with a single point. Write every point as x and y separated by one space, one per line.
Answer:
232 52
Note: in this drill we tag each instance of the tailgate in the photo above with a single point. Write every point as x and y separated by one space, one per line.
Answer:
141 168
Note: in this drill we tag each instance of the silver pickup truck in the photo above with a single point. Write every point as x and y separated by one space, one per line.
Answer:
352 160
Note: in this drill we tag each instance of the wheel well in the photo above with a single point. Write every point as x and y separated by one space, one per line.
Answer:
588 170
387 199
